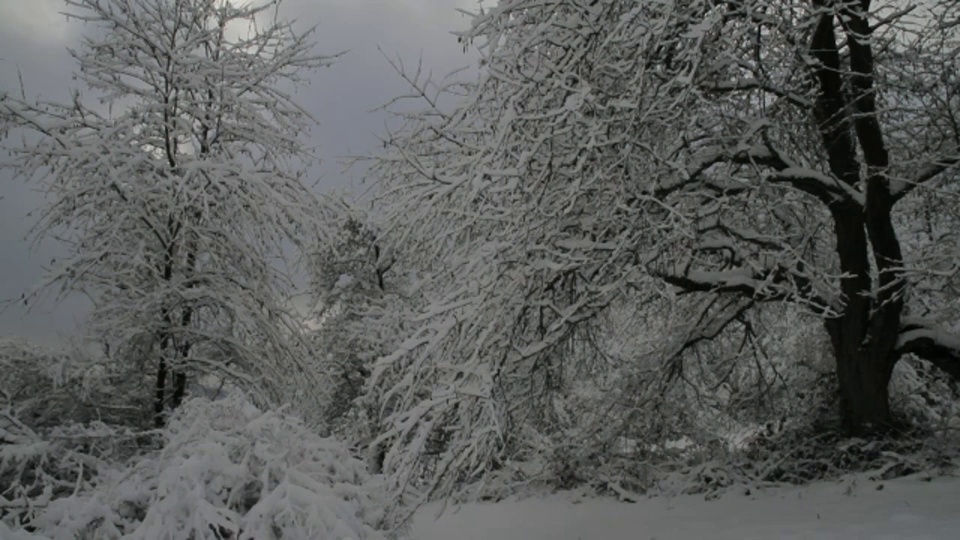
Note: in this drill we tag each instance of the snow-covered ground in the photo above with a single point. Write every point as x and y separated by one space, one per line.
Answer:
853 508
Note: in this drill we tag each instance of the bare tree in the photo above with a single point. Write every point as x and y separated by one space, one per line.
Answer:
176 190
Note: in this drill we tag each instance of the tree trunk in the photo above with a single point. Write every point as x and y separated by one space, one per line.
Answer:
864 394
179 389
183 349
179 369
160 397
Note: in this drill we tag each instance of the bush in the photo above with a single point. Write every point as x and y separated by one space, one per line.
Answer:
226 470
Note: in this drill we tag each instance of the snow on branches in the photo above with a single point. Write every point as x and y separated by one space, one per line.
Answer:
666 158
175 182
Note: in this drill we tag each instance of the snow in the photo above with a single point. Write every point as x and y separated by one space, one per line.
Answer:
852 508
344 281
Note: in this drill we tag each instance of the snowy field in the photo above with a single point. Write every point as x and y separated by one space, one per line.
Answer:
904 508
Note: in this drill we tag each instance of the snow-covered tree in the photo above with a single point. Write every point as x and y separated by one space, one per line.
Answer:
691 163
175 182
364 301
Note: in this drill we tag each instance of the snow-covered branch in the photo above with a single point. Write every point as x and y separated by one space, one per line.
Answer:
762 285
932 343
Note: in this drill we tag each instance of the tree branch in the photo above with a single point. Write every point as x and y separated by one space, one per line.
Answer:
823 187
706 326
903 188
724 87
773 284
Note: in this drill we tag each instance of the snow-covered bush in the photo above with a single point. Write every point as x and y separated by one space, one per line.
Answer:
226 470
39 468
924 397
65 416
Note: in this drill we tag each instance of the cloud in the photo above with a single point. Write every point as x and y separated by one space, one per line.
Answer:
36 21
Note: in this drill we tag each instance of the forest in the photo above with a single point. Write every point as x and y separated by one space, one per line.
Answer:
639 248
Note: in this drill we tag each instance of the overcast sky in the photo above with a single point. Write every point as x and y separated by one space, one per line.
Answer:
33 41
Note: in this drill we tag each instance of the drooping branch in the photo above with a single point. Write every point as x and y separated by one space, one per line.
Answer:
706 326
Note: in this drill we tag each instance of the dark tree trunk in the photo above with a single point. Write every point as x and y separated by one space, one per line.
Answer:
180 367
863 343
864 396
864 334
179 389
179 372
183 349
165 338
160 396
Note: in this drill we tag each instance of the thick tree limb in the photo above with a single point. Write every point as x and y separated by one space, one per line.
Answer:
931 343
866 123
823 187
833 122
831 104
774 284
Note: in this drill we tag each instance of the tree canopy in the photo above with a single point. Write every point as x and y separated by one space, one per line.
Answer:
703 163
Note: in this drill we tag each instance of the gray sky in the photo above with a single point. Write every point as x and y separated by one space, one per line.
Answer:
33 41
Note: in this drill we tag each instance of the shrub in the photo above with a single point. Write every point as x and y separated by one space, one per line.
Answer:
225 470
